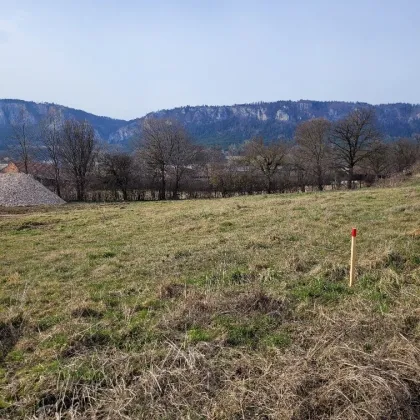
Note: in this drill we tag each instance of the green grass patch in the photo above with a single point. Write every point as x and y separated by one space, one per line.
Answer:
322 291
197 334
105 254
250 332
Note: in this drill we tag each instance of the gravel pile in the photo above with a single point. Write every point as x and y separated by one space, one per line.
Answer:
24 190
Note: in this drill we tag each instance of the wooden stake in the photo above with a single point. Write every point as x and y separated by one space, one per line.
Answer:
353 257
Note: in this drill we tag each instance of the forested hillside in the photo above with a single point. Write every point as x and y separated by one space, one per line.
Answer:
223 125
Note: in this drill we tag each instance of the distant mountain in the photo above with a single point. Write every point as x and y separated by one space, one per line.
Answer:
10 109
225 125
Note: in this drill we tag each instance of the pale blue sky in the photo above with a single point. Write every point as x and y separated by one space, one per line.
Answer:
125 58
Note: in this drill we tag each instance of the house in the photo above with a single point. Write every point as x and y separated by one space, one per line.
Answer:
41 171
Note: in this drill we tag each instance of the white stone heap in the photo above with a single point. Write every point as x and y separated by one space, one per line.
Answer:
23 190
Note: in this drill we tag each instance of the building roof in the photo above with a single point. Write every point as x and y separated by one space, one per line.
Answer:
37 169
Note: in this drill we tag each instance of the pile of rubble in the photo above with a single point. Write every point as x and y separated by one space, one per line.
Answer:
23 190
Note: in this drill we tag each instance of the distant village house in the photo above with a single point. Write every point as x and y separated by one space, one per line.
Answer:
42 172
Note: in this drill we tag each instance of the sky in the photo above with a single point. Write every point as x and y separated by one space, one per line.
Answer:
125 58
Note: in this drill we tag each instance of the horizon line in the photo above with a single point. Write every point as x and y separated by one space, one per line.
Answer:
209 106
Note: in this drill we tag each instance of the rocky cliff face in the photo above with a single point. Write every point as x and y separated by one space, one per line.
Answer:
234 124
225 125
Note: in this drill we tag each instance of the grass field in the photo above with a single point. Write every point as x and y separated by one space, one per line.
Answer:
234 308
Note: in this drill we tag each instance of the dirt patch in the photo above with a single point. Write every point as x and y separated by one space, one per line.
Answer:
10 332
86 312
172 290
93 341
32 225
54 405
199 309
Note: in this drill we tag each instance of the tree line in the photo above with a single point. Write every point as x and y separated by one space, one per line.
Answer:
167 163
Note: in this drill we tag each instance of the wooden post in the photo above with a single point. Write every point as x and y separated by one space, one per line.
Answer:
353 257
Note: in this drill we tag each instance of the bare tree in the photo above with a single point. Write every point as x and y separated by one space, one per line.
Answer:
159 141
265 158
78 147
184 155
405 153
379 162
222 179
51 138
353 139
298 169
118 168
23 134
313 150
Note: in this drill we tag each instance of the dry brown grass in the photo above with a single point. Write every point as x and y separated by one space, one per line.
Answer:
328 372
223 309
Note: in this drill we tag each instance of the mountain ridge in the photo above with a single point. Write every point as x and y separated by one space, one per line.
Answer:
223 125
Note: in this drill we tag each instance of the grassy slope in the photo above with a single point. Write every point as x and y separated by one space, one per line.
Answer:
232 308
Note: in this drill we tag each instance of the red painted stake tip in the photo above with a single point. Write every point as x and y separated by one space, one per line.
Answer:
354 232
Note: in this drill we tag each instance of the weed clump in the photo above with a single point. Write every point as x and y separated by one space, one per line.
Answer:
86 312
10 332
321 290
